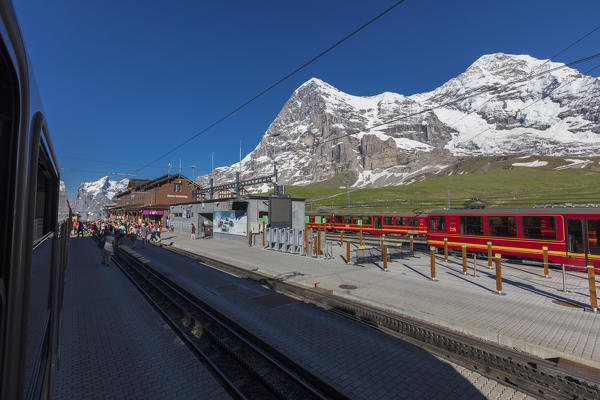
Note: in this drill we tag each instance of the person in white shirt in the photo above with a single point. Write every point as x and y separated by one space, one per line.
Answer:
107 249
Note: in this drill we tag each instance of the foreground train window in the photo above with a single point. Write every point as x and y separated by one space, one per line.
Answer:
471 225
338 219
539 227
504 226
594 235
366 220
388 220
437 223
400 221
412 221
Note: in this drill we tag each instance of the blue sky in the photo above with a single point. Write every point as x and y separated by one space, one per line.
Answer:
124 81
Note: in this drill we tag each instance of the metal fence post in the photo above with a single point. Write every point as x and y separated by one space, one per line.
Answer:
318 241
432 256
263 233
592 283
498 274
464 258
545 253
564 289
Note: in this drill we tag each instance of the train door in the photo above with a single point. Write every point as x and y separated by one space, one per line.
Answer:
575 238
593 239
377 223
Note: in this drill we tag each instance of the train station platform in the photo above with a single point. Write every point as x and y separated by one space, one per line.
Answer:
533 315
114 345
356 359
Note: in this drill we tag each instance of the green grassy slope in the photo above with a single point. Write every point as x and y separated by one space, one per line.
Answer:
490 179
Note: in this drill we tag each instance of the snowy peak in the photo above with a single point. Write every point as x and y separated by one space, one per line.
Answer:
322 133
92 197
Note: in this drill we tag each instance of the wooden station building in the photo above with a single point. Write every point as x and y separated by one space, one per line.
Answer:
150 200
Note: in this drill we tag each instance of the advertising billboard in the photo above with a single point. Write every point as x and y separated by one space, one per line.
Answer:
280 212
231 222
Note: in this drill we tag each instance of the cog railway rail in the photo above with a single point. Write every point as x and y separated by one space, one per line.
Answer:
247 367
541 378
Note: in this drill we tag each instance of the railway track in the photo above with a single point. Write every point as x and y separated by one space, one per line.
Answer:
548 379
247 367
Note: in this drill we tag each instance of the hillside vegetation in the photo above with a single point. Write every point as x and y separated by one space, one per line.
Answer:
492 180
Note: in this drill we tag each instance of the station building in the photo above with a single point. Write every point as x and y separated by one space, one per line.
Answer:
150 200
233 218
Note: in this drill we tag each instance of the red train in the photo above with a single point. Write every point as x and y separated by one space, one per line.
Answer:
570 234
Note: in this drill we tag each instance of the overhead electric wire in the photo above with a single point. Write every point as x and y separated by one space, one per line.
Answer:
462 98
262 92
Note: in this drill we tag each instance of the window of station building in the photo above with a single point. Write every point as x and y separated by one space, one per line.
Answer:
338 219
471 224
400 221
412 221
437 223
388 220
366 220
347 219
594 236
539 227
504 226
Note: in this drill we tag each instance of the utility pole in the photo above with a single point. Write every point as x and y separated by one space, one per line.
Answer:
240 156
169 169
193 167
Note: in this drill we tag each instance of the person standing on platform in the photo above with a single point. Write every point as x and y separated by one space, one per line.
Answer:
107 249
159 231
193 237
80 229
144 231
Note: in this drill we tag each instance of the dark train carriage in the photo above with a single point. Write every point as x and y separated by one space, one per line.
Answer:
571 235
33 250
375 224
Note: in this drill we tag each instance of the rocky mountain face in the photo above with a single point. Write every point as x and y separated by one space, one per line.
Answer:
92 197
322 133
63 207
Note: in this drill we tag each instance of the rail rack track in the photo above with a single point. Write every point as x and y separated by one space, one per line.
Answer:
542 378
247 367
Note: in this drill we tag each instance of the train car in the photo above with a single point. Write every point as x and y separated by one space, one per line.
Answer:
33 243
570 234
375 224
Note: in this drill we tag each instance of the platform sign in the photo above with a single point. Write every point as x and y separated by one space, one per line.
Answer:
317 220
265 219
360 222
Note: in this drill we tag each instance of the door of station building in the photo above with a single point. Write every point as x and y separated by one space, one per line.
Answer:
582 237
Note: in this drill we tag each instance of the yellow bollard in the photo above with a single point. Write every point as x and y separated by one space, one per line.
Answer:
341 238
545 253
498 274
347 251
592 284
432 255
489 245
411 243
445 249
250 239
464 257
384 254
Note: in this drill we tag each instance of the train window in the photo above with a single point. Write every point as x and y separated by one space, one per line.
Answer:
311 218
594 236
539 227
388 220
437 223
338 219
505 226
347 219
366 220
471 225
412 221
400 221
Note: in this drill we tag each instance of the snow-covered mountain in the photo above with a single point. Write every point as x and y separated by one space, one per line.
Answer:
91 197
322 132
63 207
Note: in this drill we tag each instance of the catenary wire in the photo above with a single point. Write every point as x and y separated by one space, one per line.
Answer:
273 85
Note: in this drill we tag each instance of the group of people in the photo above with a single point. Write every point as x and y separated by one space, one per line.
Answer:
111 235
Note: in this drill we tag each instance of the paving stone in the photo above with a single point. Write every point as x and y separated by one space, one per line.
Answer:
115 346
